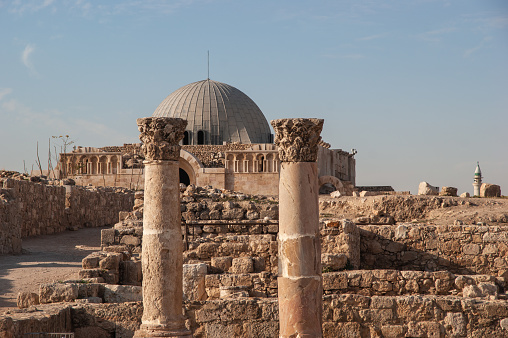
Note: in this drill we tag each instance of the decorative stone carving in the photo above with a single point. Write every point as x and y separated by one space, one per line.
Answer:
297 139
161 137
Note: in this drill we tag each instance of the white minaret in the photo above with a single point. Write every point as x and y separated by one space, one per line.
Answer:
477 180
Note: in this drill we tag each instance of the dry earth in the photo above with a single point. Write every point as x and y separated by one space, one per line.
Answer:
45 259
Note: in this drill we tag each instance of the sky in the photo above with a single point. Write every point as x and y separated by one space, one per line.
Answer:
418 87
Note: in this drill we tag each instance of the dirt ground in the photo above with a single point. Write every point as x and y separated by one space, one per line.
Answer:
45 259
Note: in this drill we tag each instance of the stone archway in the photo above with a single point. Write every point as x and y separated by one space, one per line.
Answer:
332 180
190 165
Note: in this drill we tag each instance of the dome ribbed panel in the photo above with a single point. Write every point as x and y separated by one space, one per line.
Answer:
221 111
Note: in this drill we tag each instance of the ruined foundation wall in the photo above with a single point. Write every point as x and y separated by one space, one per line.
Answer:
95 208
345 315
462 249
32 209
40 207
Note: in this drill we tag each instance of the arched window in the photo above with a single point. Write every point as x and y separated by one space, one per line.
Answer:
201 137
185 137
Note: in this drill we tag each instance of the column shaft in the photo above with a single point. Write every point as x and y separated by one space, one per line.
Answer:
162 250
300 287
299 282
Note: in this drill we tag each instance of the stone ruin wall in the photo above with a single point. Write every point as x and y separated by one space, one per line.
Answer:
32 209
416 280
344 315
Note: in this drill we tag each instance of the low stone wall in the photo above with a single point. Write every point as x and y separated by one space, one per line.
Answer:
94 207
10 220
460 249
394 282
343 316
40 206
32 209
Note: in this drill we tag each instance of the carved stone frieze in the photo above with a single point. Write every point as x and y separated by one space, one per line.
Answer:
161 137
297 138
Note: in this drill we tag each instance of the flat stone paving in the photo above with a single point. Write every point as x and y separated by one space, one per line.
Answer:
45 259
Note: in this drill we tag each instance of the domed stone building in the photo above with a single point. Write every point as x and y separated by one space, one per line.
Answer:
216 113
228 144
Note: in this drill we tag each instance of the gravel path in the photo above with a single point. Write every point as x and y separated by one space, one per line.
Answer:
45 259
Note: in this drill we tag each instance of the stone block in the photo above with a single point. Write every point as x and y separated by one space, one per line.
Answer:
455 324
122 293
90 262
334 262
107 237
111 261
130 272
27 299
86 290
448 191
57 292
194 282
242 265
222 263
490 190
335 281
393 331
426 189
130 240
90 273
471 249
228 292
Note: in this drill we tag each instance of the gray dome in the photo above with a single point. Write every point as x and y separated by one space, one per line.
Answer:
216 112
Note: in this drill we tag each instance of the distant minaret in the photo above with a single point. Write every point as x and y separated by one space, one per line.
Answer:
477 180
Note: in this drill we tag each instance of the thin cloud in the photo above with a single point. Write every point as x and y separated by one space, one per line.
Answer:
21 6
436 35
25 57
372 37
4 92
481 45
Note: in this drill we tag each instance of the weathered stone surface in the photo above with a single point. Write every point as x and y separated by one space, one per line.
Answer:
335 194
160 137
222 263
27 299
465 195
448 191
490 190
242 265
296 297
426 189
194 282
57 292
297 139
335 262
122 293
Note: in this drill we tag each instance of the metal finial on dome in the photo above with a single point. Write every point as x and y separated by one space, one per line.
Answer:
208 78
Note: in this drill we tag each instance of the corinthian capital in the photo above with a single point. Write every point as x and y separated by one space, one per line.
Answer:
297 139
160 137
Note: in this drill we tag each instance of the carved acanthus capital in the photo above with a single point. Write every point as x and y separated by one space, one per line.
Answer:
297 139
161 137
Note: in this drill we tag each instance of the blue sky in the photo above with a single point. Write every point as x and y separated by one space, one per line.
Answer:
418 87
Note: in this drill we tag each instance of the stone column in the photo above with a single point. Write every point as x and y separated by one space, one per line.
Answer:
162 255
300 283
